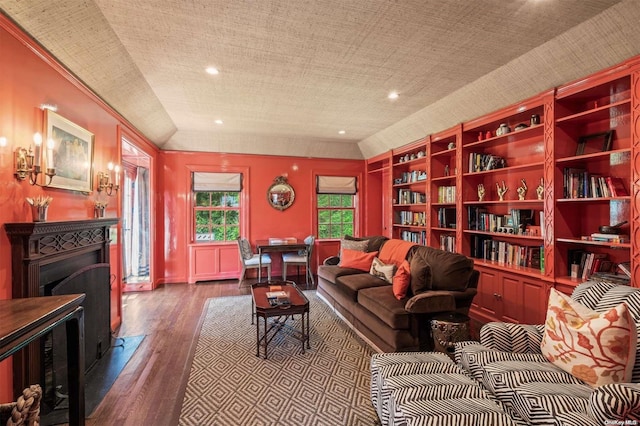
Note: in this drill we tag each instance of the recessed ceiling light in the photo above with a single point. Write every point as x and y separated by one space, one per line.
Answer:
218 121
212 70
341 132
393 95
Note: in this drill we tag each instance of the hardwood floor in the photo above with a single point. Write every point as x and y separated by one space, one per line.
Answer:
150 389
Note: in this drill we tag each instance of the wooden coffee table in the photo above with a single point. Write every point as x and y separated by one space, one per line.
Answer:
261 308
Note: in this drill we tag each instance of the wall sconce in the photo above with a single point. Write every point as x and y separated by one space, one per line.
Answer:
28 162
105 180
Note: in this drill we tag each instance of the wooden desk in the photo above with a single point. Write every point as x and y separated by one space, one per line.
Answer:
22 321
265 246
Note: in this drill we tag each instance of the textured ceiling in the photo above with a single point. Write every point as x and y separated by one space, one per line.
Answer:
294 73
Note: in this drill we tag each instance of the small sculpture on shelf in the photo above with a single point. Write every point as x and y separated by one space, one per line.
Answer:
540 189
481 192
446 170
522 190
501 190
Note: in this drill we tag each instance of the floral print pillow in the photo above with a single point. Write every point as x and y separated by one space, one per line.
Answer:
596 347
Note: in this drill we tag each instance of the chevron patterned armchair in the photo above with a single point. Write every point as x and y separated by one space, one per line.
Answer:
510 364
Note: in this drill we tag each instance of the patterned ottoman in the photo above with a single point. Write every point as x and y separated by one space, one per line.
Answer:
428 388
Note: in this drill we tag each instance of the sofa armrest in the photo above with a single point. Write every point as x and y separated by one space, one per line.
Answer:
431 302
515 338
331 260
615 403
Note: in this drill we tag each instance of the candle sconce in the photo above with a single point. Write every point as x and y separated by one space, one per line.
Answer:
105 182
28 163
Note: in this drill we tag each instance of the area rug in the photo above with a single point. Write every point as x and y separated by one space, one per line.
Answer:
229 385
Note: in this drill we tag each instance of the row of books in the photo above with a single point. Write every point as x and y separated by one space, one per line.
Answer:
578 183
583 264
448 243
478 219
446 194
412 218
413 176
502 252
446 217
480 162
414 237
406 196
608 238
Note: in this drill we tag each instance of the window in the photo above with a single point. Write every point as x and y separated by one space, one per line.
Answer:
336 206
216 206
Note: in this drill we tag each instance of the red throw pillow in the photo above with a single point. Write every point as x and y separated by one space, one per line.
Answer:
402 280
357 259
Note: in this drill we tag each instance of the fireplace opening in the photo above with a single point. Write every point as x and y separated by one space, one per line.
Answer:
95 282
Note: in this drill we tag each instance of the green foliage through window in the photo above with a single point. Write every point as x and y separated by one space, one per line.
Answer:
335 215
217 216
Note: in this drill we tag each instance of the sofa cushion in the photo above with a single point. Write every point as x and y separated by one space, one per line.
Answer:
449 271
352 284
356 259
615 403
382 270
352 245
402 280
382 302
373 242
420 273
597 347
332 272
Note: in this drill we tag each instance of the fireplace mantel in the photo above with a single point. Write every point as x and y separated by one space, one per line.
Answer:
43 253
38 244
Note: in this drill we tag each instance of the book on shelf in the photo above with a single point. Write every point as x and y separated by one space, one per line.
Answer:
616 186
611 278
625 267
611 238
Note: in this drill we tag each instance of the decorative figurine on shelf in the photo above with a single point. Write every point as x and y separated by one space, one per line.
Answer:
488 134
501 190
446 170
481 192
522 190
540 189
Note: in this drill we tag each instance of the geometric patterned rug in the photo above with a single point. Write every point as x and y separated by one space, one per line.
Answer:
229 386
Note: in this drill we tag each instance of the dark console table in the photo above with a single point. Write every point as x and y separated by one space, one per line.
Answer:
22 321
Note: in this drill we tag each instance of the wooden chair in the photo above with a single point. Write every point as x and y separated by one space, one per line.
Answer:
301 258
251 260
25 411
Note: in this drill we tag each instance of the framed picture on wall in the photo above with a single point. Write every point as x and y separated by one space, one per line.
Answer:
69 150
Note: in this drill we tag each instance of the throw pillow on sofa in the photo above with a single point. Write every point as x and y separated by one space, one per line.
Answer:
374 242
596 347
382 270
353 245
357 259
420 273
402 280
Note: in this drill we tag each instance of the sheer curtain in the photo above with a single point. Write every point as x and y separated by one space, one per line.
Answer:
140 224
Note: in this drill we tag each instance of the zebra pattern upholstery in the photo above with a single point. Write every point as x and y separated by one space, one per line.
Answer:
427 388
509 364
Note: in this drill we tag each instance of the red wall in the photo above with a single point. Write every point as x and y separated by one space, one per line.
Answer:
262 222
30 77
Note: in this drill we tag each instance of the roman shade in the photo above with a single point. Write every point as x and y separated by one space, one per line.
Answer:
206 182
336 185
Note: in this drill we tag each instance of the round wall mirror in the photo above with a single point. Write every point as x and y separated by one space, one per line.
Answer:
280 194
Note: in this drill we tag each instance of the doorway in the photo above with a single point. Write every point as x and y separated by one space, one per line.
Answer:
136 219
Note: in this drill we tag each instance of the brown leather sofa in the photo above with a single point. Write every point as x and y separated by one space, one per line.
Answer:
367 302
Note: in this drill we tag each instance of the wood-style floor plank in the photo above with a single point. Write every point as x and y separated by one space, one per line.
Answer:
150 388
